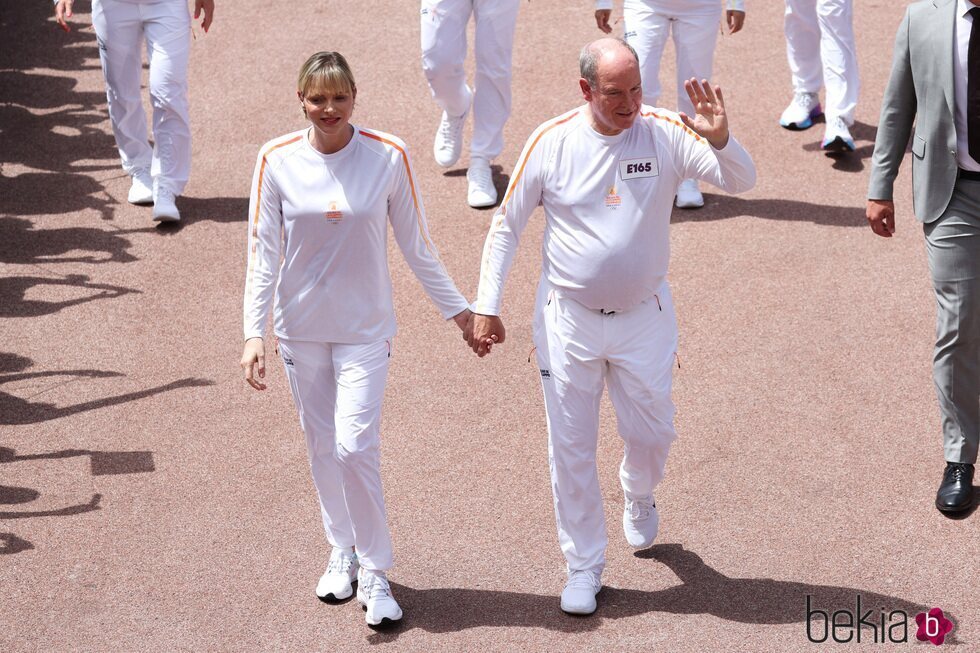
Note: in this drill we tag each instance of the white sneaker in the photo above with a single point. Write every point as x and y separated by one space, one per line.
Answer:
641 521
449 137
801 112
837 137
336 583
165 206
578 597
480 192
141 191
374 595
688 195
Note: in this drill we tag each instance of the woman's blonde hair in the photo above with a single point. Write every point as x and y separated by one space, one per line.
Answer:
326 71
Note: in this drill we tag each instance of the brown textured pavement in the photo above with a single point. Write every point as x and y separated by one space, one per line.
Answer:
152 501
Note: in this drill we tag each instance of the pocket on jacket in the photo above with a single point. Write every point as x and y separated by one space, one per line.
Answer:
919 146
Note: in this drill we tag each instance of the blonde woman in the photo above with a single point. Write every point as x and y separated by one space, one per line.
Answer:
321 202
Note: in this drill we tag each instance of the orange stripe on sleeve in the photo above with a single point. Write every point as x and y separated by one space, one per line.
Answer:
520 169
411 184
258 204
674 122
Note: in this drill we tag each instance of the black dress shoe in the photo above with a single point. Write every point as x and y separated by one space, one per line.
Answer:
956 491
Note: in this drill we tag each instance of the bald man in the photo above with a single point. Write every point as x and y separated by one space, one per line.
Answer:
606 174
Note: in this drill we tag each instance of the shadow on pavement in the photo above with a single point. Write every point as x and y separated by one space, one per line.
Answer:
21 243
10 543
13 292
14 410
723 207
102 463
702 591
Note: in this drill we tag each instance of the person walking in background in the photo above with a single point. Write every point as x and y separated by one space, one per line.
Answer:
443 54
159 173
694 25
935 86
321 202
820 47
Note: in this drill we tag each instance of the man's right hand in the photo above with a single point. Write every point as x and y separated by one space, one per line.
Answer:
486 331
881 217
62 11
602 19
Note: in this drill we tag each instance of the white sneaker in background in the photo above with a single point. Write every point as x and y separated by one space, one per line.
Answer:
141 190
165 206
374 595
801 112
689 195
837 137
336 583
641 521
449 137
480 192
578 597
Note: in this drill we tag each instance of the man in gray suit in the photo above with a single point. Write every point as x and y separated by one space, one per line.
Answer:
935 83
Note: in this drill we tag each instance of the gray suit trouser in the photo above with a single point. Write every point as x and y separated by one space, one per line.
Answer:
953 248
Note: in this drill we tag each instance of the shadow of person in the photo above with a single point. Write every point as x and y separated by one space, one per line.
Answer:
92 504
13 292
723 207
10 543
21 243
53 193
702 590
14 410
103 463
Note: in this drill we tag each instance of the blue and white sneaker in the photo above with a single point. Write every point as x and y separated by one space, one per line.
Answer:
837 137
801 112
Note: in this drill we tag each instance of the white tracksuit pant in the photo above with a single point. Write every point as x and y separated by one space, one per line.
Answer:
820 47
695 35
338 390
443 54
578 350
121 27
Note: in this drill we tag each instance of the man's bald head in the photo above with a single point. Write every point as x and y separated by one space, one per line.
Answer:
609 49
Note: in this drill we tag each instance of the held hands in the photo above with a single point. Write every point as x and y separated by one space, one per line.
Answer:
253 362
710 120
881 217
483 332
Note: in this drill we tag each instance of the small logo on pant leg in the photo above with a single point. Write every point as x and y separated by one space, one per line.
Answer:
545 374
287 361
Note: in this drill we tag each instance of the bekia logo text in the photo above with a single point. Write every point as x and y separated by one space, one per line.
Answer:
843 626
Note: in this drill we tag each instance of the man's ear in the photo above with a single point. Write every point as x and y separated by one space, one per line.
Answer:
586 89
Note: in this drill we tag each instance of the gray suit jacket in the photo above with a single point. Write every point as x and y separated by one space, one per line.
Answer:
920 90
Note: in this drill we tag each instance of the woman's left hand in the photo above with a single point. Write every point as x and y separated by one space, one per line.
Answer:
462 319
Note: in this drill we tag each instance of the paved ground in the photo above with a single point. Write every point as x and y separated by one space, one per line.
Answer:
151 501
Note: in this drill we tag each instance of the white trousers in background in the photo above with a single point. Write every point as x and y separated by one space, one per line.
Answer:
821 52
338 390
579 350
695 34
443 54
165 26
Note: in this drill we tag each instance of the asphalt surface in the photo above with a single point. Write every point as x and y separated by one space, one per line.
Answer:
150 500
